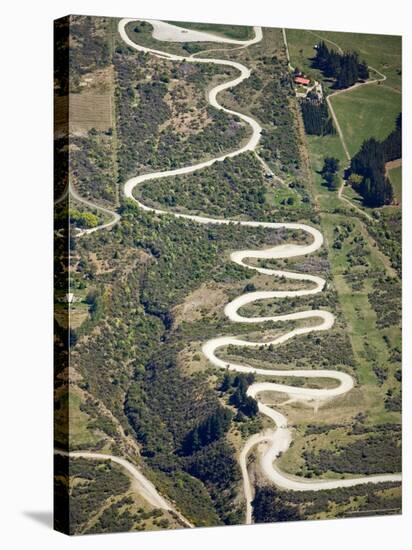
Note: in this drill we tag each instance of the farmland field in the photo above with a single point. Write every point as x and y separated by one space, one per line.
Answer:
367 111
90 110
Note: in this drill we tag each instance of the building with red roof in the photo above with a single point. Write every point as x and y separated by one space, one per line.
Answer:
302 80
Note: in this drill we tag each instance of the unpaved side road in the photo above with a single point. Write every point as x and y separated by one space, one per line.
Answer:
145 487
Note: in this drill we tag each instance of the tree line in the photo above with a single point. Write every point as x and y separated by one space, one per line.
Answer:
316 117
367 171
345 68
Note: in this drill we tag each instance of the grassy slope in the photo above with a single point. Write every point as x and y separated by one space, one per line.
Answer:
367 111
367 342
301 51
395 175
360 317
80 433
320 147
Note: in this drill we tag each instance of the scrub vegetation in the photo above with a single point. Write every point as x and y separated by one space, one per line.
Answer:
147 294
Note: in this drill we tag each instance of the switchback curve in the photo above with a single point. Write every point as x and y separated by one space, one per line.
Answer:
278 440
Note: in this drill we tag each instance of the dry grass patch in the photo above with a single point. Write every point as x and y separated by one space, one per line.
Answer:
90 110
192 360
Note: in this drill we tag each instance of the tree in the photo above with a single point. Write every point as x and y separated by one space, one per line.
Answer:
243 402
329 172
215 464
191 48
349 72
250 287
83 219
226 383
72 337
363 71
238 397
392 145
250 406
334 182
330 164
355 180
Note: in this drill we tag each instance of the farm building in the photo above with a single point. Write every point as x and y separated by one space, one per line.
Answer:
302 80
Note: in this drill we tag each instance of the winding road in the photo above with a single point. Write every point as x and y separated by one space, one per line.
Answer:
145 488
271 442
